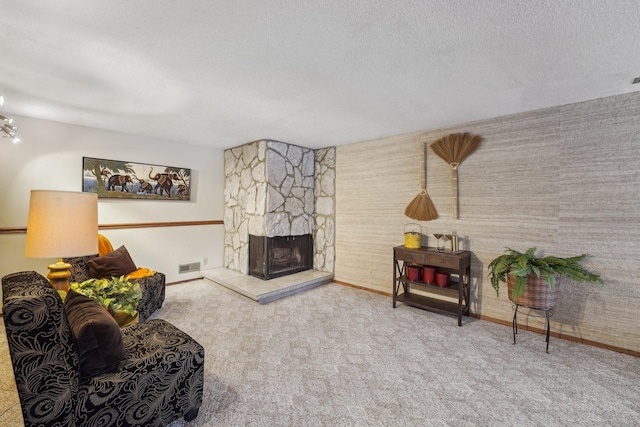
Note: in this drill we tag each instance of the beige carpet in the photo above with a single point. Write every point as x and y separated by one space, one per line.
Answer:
337 356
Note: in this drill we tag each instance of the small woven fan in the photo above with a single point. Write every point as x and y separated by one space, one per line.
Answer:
453 149
421 207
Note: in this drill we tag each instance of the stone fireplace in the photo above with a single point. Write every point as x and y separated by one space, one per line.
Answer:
278 191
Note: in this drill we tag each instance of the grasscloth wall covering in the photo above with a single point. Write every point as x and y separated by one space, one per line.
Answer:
564 180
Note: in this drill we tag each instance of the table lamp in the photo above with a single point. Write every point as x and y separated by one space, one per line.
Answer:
61 224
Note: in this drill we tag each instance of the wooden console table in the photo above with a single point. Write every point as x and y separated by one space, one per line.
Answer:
458 264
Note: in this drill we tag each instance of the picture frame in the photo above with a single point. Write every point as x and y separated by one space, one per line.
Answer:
117 179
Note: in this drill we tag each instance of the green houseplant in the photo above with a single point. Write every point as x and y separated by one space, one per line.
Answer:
521 269
116 294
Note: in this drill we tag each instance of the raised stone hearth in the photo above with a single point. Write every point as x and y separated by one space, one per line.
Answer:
264 291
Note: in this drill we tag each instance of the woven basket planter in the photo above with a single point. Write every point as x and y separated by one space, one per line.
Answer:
537 293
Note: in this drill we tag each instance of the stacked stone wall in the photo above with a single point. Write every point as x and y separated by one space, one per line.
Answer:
325 225
270 190
245 193
290 190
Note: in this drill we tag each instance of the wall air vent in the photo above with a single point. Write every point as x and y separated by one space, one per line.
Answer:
188 268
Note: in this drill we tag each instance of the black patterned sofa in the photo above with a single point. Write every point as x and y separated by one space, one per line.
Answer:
159 379
152 287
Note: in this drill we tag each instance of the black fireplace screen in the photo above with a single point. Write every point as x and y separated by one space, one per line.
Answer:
271 257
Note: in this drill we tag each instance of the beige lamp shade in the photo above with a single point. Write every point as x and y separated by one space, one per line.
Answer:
62 224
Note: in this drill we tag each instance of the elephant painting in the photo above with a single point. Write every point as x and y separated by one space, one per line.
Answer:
127 180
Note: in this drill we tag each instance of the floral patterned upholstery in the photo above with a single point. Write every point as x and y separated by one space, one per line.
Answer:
152 287
161 381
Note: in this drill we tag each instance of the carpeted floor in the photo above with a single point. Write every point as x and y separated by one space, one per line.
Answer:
337 356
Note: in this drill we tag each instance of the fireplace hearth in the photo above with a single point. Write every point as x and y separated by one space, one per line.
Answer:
271 257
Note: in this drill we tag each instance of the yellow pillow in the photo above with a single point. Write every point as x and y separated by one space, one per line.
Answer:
104 245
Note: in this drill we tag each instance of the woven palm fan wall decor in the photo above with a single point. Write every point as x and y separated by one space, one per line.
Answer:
421 207
453 149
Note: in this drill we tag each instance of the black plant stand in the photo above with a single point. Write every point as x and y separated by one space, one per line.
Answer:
547 312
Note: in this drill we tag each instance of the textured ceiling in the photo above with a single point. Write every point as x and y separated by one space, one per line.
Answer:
314 73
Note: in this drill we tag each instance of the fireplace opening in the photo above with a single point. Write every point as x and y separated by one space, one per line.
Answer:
271 257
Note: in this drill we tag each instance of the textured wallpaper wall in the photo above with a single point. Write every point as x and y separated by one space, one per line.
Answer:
564 180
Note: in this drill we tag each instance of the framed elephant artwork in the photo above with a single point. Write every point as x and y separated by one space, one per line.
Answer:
127 180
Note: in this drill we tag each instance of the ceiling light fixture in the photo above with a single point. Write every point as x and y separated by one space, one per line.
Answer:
7 130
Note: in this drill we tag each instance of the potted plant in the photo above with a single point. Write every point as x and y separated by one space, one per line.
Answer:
531 280
117 295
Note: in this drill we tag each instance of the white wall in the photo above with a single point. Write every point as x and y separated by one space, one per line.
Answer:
50 157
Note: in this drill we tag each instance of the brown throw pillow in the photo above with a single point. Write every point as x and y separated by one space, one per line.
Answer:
117 263
97 336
